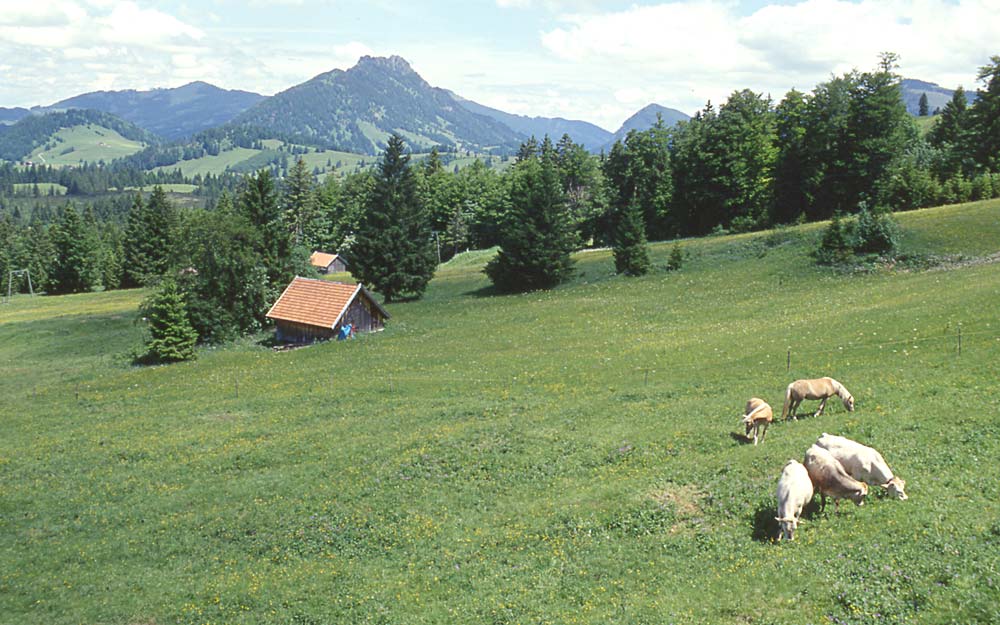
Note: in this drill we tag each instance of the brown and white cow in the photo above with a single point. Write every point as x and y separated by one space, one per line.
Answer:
863 463
829 478
757 416
795 490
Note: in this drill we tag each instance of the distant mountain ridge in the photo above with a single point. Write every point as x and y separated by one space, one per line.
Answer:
12 115
170 113
356 110
584 133
937 96
645 118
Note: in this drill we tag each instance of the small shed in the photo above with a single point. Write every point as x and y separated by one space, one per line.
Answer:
313 310
328 263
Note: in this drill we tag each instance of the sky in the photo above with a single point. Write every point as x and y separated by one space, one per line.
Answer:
595 60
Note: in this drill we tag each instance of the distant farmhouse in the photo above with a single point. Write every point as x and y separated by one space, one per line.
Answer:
314 310
328 263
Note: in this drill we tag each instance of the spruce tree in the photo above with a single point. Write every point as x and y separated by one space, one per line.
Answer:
74 269
393 250
923 108
172 339
537 236
258 203
299 204
630 250
149 239
985 118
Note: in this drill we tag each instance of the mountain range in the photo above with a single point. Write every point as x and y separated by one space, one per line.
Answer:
352 110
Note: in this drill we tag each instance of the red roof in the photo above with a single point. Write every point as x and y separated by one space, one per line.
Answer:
317 302
321 259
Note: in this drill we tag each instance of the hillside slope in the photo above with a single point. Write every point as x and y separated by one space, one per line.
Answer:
356 110
568 456
644 119
170 113
584 133
35 132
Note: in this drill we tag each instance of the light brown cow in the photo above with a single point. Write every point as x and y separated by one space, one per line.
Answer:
863 463
821 388
757 416
829 478
795 490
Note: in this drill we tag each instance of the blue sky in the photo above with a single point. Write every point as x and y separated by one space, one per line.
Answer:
596 60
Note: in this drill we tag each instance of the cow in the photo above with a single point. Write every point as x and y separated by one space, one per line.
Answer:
757 416
795 490
829 478
820 388
863 464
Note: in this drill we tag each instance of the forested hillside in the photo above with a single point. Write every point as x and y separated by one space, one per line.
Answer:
169 113
32 131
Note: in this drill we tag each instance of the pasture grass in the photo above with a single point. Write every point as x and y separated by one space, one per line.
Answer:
84 144
567 456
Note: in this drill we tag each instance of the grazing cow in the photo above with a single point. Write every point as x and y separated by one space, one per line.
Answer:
821 388
829 478
757 416
795 490
863 464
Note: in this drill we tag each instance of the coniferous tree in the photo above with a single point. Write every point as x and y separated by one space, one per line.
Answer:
536 237
923 108
172 339
630 250
951 135
299 203
75 265
149 239
393 250
258 203
985 118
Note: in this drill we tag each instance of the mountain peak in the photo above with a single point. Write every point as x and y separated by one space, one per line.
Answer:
392 63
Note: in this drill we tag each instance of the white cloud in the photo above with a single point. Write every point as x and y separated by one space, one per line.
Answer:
696 50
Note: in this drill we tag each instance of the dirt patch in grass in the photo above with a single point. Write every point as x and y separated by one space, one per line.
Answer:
685 501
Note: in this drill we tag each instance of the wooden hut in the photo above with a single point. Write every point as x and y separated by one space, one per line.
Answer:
328 263
310 310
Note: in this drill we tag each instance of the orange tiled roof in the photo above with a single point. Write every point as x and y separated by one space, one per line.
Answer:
321 259
314 302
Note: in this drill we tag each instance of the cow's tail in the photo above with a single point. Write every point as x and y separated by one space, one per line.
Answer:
788 402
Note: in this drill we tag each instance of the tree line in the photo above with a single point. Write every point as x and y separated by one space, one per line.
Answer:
847 147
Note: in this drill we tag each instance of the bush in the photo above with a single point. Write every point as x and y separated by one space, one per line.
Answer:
676 258
835 246
876 232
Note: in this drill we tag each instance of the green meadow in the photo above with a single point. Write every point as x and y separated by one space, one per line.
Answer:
568 456
80 144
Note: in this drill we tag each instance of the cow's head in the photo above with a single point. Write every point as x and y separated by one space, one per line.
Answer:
858 496
788 527
849 402
895 487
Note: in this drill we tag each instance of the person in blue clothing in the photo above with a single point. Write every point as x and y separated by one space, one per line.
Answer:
346 332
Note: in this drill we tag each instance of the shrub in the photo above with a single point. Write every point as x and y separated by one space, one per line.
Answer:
876 232
835 246
676 258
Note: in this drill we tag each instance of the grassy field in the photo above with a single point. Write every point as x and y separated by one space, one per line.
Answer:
568 456
84 144
44 188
